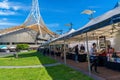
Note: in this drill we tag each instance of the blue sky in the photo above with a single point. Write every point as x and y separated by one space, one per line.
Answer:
55 13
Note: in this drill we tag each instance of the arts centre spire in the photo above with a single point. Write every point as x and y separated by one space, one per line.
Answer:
35 18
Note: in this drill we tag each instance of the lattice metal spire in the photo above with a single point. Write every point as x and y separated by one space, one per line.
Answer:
34 17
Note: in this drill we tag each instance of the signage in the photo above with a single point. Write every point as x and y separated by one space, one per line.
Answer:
102 41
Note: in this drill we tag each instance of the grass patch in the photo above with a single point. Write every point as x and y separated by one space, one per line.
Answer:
63 72
26 59
60 72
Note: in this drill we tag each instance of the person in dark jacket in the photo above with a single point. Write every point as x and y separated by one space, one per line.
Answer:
82 48
76 53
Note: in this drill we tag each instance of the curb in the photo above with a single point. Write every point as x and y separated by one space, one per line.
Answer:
34 66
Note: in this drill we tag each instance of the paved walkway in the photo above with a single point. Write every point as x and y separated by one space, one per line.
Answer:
34 66
4 54
105 73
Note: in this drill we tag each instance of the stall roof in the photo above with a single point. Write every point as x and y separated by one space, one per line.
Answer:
112 16
64 35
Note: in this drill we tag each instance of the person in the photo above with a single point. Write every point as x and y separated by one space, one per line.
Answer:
94 58
76 53
102 57
109 51
62 52
102 52
82 48
114 55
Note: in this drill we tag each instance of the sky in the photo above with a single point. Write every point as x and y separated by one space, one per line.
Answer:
55 13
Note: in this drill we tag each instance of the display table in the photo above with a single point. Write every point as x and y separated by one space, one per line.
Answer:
81 57
70 55
113 63
58 53
102 60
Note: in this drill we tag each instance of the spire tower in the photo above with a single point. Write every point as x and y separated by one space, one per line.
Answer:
34 18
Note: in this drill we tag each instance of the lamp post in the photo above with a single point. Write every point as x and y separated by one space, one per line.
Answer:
61 31
69 25
88 12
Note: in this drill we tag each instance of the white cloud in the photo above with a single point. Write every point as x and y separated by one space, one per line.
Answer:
53 25
7 12
8 24
3 19
16 7
10 8
5 22
53 10
93 7
4 4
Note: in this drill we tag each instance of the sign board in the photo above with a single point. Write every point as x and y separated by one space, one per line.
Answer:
102 41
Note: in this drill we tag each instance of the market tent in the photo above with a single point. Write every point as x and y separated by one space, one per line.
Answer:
63 37
107 24
61 40
107 19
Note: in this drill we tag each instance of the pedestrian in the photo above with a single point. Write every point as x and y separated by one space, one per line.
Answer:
94 58
82 48
76 53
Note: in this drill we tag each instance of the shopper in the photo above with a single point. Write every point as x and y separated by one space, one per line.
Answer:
82 48
110 51
76 53
94 58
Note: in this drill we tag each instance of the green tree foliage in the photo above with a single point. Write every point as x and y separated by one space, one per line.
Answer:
22 46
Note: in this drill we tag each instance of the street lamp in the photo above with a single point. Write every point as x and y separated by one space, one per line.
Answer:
69 25
61 31
88 12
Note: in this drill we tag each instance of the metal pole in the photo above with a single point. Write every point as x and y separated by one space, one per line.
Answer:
54 50
98 43
79 42
85 42
49 49
88 54
64 53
